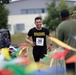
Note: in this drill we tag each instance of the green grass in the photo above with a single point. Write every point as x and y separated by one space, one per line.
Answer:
20 38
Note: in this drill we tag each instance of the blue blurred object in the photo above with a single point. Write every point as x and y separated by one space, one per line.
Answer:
50 71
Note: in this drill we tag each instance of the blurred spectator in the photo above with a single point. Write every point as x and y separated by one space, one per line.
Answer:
5 40
74 15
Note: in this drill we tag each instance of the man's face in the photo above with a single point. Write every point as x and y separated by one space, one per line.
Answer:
38 23
6 35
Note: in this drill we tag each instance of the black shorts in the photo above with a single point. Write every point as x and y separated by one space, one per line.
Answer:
39 52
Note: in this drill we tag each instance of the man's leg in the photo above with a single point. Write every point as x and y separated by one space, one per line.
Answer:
36 54
43 52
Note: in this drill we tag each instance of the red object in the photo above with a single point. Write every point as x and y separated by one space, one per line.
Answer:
72 59
23 45
24 60
6 72
60 55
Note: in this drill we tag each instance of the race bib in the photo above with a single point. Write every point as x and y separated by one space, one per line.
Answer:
39 41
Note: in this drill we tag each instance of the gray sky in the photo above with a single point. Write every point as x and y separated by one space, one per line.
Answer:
70 0
14 0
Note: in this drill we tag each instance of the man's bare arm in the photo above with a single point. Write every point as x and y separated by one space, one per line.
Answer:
50 43
27 39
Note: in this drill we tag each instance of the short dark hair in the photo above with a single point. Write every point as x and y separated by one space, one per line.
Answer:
38 18
64 13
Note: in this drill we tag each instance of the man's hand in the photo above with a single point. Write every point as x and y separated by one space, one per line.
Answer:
50 48
32 44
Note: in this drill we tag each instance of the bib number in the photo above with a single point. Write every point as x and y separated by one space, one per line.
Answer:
39 41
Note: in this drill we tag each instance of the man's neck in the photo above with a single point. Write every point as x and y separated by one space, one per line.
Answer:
67 18
38 28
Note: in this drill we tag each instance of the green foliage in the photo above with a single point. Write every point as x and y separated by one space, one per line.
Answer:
72 9
3 16
52 20
62 5
4 1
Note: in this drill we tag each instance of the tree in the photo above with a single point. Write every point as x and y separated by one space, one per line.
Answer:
4 1
62 5
72 9
51 21
4 14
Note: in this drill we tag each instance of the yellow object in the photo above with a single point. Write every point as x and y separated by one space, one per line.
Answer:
21 51
32 67
27 48
5 52
60 43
